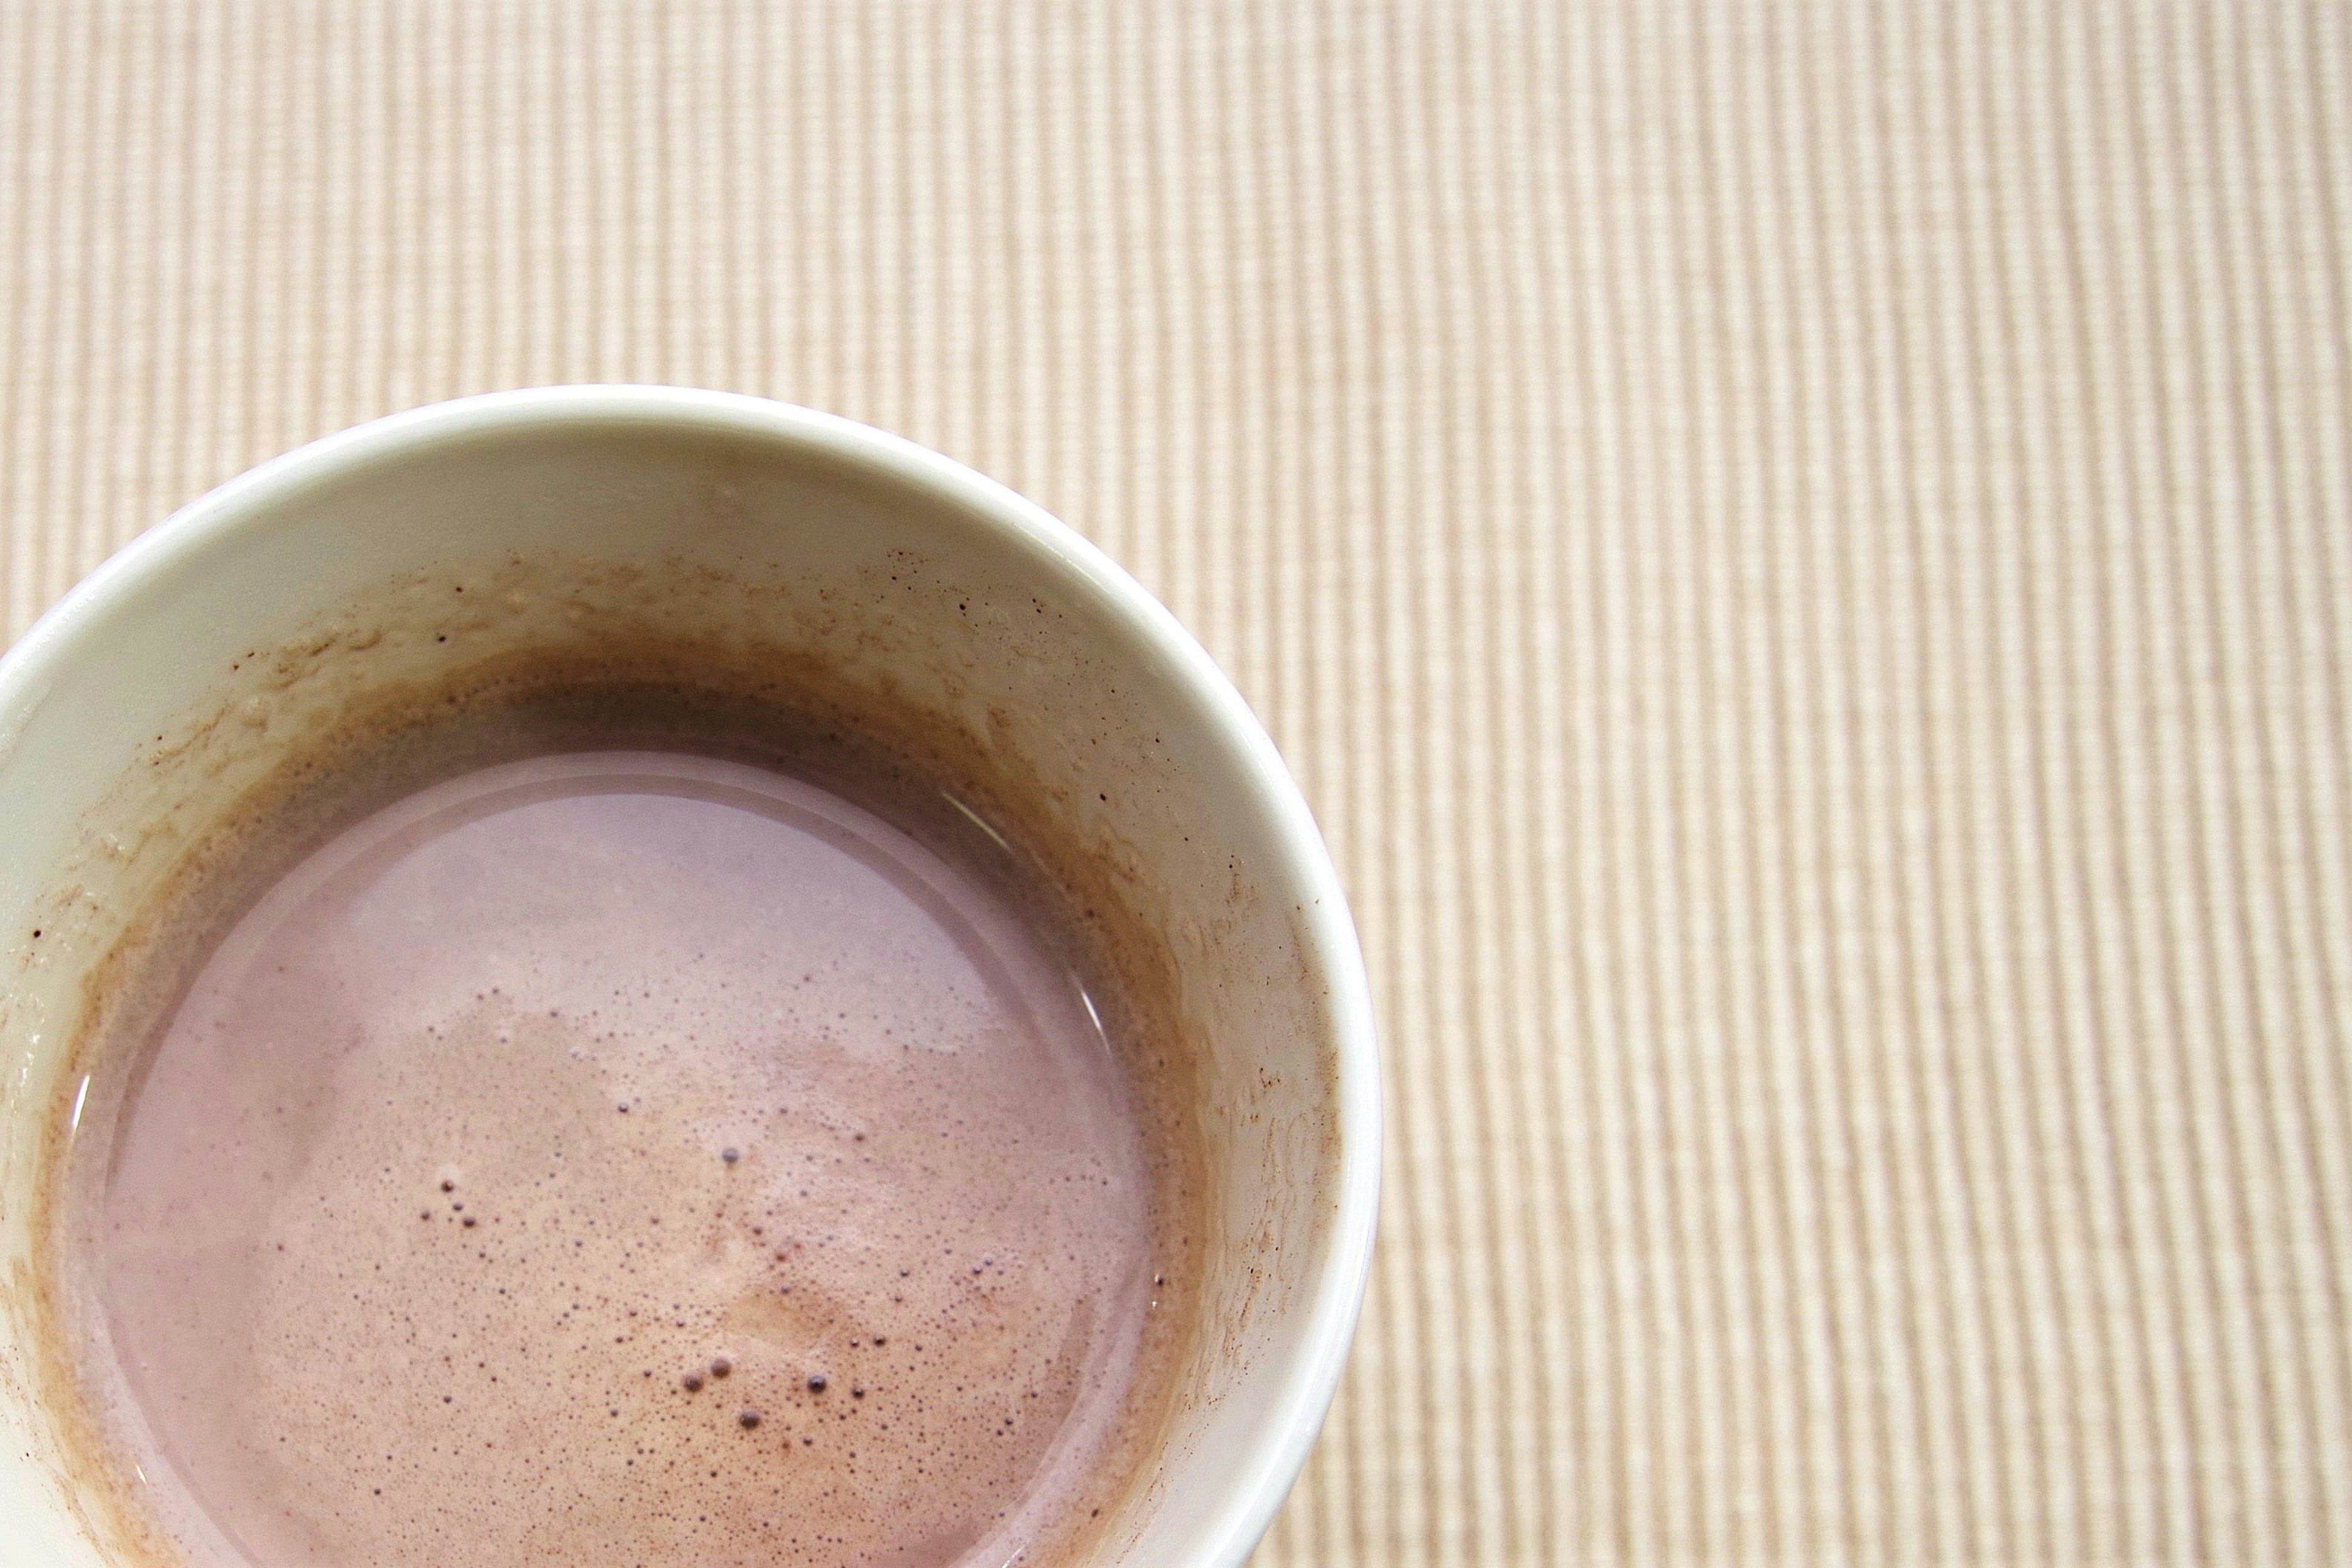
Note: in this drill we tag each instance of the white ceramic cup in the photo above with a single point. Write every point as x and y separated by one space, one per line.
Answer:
168 679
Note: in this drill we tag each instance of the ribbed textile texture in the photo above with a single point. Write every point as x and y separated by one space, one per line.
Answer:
1801 552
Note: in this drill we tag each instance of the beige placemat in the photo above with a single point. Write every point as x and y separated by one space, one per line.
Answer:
1802 553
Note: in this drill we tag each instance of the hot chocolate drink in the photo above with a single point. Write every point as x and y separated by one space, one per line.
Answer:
629 1153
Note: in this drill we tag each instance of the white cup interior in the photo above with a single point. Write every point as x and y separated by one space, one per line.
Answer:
162 685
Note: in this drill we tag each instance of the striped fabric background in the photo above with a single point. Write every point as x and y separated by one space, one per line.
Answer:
1802 553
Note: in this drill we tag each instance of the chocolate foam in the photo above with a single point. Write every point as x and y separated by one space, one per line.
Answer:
627 1157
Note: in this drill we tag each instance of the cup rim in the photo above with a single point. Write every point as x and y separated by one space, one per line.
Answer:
147 562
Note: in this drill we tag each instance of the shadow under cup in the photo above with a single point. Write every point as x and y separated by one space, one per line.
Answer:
870 575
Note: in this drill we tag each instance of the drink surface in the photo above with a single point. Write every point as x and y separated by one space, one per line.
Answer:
632 1158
